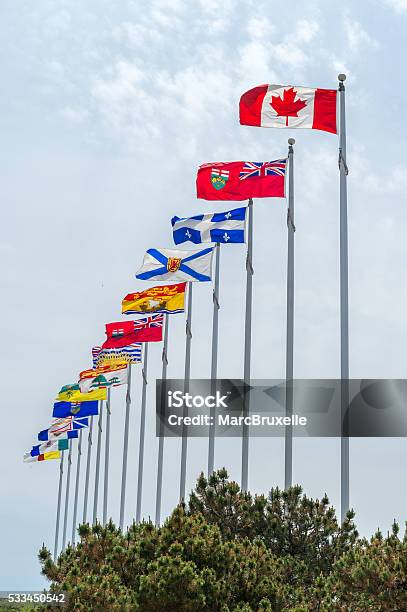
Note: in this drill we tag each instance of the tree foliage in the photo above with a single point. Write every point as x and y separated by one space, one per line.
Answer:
227 550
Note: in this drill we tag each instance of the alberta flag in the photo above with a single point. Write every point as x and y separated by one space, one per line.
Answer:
77 409
170 264
226 227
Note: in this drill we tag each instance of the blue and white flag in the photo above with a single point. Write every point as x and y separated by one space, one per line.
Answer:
63 428
48 447
46 434
226 227
173 265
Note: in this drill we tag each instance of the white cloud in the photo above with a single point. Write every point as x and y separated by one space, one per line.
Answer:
392 183
168 13
290 53
357 37
137 34
59 22
75 115
398 5
124 101
215 8
260 27
255 61
305 30
340 65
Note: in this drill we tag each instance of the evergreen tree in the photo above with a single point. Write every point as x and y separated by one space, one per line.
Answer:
227 550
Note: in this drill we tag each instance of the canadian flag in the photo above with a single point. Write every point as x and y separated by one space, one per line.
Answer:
283 106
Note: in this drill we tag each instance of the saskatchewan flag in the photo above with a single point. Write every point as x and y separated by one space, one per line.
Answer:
72 393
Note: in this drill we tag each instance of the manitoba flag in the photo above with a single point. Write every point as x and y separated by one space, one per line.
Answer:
283 106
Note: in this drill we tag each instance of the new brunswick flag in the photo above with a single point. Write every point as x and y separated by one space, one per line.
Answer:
167 298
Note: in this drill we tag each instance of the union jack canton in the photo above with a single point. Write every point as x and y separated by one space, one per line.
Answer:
251 169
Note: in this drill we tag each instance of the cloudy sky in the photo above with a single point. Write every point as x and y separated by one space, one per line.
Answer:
107 109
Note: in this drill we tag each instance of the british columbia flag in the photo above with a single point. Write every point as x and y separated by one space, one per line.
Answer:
112 356
251 169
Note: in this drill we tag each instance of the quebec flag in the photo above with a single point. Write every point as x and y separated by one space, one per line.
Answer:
226 227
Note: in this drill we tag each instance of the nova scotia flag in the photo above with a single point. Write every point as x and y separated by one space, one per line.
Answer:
174 265
226 227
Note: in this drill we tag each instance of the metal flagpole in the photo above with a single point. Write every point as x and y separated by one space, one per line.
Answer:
97 469
142 434
78 471
289 367
125 447
187 375
247 347
107 448
161 431
61 471
214 362
68 480
343 172
86 493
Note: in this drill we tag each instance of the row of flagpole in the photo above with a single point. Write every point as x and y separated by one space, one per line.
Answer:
288 454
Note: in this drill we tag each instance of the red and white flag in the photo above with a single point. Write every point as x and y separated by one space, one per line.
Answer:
282 106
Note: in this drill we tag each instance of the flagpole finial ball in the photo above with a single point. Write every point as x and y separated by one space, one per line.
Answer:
341 77
291 141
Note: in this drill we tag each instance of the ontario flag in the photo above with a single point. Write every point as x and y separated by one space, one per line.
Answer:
124 333
241 180
282 106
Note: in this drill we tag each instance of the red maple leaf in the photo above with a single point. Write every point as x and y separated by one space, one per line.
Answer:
285 106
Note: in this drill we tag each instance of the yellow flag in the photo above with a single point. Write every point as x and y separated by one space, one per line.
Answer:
167 298
51 455
71 394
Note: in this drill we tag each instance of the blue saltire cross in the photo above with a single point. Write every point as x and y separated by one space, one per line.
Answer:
184 268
